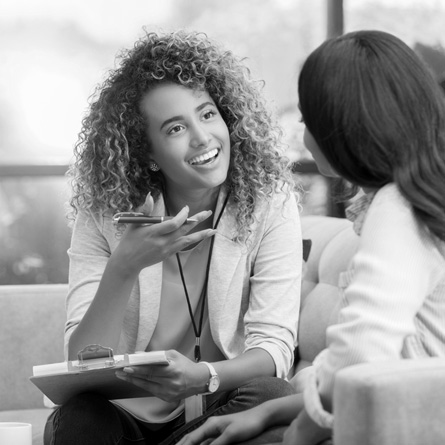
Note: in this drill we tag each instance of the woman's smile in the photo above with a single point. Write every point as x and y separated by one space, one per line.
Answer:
206 158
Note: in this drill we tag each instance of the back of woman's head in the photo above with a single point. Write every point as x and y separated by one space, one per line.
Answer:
378 116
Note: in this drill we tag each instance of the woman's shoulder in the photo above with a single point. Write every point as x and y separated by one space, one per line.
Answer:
390 191
388 201
390 214
87 218
282 200
392 228
280 210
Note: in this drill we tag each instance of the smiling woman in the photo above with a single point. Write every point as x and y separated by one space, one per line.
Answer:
188 140
180 128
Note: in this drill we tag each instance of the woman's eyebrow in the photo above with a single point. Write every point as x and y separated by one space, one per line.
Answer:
171 119
205 104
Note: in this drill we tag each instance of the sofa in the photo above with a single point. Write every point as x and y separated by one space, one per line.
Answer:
385 404
32 319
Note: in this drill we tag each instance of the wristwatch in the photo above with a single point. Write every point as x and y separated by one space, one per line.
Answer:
213 383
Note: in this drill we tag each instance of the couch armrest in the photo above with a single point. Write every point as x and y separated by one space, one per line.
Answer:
391 403
32 321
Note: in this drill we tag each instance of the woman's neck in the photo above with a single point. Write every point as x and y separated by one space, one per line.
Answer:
367 190
197 200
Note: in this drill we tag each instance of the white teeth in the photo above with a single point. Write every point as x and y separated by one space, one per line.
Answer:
205 157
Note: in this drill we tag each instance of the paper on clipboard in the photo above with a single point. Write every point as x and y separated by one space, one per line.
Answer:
94 371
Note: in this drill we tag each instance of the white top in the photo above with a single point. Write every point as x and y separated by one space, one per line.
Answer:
393 303
174 329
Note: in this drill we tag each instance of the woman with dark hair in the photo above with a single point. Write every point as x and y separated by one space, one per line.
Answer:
374 116
179 128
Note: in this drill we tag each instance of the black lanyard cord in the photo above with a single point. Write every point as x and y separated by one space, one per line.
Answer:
198 329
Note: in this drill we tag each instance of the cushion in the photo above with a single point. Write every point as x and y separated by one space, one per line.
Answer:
333 244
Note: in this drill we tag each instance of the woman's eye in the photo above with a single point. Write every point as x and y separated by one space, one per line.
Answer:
209 114
175 129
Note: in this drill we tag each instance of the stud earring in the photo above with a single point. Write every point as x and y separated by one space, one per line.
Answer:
153 166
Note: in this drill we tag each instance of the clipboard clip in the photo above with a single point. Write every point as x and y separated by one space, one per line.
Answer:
94 357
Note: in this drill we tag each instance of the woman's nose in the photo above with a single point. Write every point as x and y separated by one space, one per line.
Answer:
200 137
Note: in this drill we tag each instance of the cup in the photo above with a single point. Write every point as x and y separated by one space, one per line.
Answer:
15 433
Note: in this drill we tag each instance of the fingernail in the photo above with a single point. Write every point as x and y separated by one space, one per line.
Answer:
128 370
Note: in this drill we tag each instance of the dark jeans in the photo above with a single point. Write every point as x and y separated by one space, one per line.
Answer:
89 419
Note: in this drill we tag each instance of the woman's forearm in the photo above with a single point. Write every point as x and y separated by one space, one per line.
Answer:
282 411
247 366
103 320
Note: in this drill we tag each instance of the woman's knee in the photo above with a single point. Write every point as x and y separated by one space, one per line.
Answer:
268 388
88 406
88 415
261 390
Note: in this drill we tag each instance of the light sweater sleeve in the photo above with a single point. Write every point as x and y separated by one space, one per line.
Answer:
395 269
271 320
88 254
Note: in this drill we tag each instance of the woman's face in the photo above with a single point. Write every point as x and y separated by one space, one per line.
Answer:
322 163
188 137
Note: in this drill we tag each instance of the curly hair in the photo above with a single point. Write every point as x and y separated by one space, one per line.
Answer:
111 170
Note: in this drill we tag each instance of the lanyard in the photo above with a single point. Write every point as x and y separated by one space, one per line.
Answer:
198 329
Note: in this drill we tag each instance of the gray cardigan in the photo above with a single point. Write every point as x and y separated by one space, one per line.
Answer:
253 290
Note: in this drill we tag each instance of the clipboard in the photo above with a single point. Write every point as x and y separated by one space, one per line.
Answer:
93 371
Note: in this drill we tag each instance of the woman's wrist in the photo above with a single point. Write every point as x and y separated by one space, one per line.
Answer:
202 377
266 413
282 411
121 268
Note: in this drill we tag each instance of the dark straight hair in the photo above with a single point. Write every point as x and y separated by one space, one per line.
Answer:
378 116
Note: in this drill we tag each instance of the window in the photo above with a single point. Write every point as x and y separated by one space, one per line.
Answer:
54 53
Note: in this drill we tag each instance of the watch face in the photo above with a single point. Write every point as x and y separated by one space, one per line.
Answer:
213 383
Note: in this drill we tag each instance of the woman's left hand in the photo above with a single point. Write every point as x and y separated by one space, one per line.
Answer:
179 379
228 429
304 431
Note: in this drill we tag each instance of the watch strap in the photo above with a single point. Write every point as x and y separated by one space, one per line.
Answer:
213 373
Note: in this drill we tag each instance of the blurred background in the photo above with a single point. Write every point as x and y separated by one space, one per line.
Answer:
53 53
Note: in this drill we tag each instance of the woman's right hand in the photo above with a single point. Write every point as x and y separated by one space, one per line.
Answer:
227 429
144 245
